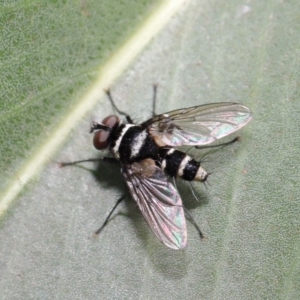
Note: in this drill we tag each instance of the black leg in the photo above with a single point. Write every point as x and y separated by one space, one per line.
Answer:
128 118
219 145
109 215
65 164
193 222
110 159
72 163
154 99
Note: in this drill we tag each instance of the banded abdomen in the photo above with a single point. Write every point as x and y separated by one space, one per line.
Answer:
178 164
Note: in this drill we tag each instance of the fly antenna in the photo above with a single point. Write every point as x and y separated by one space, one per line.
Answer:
96 126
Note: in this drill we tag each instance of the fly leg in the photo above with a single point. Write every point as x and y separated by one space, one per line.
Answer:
72 163
154 100
106 159
219 145
128 118
109 215
187 213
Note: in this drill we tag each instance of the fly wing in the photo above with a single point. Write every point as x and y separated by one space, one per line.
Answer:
158 201
197 125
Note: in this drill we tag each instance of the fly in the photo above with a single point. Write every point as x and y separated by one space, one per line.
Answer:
146 153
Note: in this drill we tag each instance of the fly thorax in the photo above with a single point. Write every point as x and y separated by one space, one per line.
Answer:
134 144
119 140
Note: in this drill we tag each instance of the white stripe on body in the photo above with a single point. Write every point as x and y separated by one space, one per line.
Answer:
115 149
201 174
183 163
137 143
164 162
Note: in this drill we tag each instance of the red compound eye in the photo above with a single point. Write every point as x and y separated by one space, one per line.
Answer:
100 139
110 121
101 136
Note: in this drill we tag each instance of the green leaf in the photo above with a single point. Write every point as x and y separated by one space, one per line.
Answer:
51 53
209 52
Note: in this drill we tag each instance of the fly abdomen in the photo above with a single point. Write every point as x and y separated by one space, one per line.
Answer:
178 164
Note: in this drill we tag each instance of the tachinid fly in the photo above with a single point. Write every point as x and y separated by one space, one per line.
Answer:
146 153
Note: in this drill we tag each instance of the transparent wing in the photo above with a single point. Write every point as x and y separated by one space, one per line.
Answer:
197 125
158 201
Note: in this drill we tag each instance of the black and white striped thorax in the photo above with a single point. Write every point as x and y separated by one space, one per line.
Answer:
178 164
133 143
